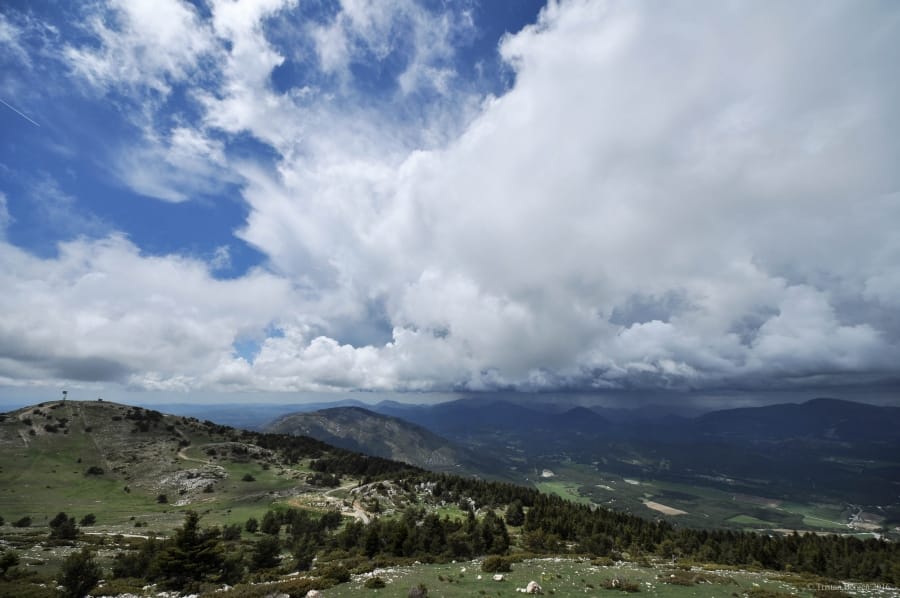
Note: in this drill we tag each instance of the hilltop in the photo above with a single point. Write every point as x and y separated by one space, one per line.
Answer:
65 455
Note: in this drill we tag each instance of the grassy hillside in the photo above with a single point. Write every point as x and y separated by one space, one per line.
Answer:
118 462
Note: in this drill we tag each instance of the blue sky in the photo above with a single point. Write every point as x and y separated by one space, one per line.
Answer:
220 198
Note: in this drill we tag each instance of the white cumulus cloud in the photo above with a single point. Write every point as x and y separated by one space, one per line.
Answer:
679 195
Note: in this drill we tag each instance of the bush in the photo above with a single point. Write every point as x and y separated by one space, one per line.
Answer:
374 583
271 523
678 578
231 532
336 573
62 527
80 574
23 522
621 584
162 499
94 470
252 525
89 519
496 564
8 560
248 478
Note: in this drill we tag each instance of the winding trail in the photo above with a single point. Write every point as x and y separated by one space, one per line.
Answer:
182 455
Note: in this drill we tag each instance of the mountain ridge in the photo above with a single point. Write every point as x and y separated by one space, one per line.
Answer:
362 430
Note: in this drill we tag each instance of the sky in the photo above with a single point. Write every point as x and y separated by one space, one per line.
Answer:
234 198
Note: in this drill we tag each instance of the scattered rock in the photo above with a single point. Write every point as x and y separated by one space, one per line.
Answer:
533 587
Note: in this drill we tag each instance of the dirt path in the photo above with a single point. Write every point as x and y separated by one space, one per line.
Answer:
181 455
357 512
360 513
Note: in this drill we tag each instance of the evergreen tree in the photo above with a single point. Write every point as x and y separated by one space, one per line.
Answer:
266 553
79 574
271 523
372 542
515 514
304 551
62 527
192 556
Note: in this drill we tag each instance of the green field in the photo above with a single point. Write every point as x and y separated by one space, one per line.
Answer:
748 521
569 491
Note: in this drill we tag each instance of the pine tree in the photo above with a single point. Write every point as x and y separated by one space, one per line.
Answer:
62 527
271 524
79 574
192 556
515 514
266 553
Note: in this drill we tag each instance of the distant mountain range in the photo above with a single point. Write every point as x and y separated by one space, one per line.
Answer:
831 449
261 414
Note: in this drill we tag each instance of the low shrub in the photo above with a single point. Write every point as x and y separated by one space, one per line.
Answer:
621 584
496 564
374 583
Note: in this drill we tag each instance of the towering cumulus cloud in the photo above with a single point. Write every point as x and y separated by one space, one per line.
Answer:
665 195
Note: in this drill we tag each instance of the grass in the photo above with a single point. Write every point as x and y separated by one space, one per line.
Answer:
48 475
565 490
750 521
558 577
451 512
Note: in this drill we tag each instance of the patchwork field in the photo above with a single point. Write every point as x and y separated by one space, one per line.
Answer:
701 506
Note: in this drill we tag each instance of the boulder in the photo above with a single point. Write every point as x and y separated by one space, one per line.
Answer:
533 587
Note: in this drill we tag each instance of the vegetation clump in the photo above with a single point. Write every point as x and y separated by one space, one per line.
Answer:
8 560
88 520
63 527
80 574
496 564
621 584
374 583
